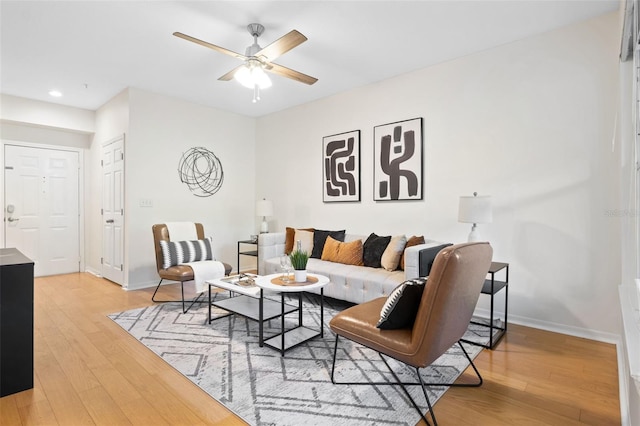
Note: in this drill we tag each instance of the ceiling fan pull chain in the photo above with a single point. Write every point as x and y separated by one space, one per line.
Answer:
256 93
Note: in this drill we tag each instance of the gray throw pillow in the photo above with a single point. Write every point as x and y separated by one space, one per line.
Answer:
426 257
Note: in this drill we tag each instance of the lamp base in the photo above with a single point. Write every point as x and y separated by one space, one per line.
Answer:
264 227
474 235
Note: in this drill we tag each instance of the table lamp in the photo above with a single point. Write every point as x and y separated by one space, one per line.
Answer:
475 209
264 208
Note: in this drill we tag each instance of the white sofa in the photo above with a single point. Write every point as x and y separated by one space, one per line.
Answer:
352 283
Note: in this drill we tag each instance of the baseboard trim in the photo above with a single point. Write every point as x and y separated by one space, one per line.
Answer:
93 272
147 284
599 336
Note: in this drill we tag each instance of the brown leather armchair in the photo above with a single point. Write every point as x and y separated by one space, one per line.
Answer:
179 273
446 307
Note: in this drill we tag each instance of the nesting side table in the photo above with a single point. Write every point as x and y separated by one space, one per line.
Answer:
246 252
491 287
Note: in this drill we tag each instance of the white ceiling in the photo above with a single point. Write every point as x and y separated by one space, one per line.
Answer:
92 50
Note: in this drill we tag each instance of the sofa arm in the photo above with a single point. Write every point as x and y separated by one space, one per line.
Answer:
270 245
412 258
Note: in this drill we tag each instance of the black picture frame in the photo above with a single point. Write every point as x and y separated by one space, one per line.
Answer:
398 161
341 167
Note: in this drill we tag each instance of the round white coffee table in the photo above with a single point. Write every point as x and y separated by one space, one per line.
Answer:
288 339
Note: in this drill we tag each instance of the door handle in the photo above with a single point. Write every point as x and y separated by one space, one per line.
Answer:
10 219
110 220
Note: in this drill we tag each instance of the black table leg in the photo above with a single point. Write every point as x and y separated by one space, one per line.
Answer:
282 322
321 312
260 321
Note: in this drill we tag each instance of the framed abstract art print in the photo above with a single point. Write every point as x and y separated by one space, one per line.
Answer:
341 167
397 161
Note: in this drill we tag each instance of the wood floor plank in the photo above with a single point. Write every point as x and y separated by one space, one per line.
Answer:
9 410
90 371
102 408
65 403
38 413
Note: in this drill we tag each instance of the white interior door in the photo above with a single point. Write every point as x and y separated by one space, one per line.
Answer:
41 207
113 210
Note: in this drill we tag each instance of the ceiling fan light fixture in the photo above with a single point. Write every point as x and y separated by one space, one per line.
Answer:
251 76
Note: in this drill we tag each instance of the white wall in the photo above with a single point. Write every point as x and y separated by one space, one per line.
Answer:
161 130
530 123
46 114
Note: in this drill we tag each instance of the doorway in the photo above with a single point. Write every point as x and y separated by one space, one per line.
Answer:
113 210
42 188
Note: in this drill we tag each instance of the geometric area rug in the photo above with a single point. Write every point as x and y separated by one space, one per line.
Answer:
263 388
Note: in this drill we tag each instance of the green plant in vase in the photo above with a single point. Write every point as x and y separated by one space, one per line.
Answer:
299 260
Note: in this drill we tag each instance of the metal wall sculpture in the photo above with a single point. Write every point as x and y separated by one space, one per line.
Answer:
202 171
341 159
397 156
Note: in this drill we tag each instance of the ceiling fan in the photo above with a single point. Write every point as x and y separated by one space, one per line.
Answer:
257 59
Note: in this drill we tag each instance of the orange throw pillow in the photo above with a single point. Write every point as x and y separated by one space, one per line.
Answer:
347 253
413 241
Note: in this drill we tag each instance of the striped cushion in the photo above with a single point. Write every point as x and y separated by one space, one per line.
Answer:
401 307
175 253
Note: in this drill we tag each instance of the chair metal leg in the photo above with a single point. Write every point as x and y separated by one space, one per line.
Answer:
184 311
421 382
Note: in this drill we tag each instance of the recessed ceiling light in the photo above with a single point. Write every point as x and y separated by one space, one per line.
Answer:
55 93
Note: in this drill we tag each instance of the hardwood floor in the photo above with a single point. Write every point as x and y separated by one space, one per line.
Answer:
89 371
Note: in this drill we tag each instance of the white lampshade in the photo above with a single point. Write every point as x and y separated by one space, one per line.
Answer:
264 208
475 209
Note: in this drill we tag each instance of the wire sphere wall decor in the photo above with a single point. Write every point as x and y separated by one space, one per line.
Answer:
202 171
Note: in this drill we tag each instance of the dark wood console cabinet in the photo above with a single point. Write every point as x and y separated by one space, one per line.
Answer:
16 322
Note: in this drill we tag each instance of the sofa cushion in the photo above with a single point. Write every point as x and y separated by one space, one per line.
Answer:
290 238
319 238
306 240
348 253
413 241
374 247
177 252
391 256
401 307
427 256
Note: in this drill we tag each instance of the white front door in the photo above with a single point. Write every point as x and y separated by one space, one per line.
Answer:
41 207
113 210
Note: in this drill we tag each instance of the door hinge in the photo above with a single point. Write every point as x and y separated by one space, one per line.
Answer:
122 155
102 212
102 261
101 163
121 212
121 268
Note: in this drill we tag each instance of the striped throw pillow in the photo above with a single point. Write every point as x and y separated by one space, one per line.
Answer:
175 253
401 307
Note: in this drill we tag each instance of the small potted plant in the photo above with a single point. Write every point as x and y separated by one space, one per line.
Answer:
299 260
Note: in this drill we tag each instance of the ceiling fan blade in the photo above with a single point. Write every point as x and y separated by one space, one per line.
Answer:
289 73
229 76
210 46
282 45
